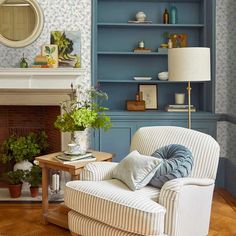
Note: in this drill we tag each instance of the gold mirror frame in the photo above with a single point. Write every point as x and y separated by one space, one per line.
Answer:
36 32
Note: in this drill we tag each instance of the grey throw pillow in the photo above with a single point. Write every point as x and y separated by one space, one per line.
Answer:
177 163
136 170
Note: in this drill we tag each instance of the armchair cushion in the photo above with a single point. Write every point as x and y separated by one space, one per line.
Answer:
112 203
136 170
177 163
98 171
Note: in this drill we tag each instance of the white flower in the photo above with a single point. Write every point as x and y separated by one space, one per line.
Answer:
36 162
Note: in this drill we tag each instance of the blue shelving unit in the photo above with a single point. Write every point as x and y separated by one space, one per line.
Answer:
115 64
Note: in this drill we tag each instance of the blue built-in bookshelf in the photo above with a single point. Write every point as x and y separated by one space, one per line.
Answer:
115 64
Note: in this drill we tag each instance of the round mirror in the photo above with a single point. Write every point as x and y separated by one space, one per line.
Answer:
21 22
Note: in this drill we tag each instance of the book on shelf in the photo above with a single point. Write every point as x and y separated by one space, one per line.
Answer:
70 157
85 159
142 50
140 22
170 109
180 106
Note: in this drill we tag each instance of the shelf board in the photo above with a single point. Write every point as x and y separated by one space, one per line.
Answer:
103 24
132 53
133 81
153 81
176 1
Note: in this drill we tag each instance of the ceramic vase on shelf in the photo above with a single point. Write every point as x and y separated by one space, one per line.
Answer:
173 15
23 165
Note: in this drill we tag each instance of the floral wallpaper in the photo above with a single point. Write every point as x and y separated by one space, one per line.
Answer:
58 15
226 85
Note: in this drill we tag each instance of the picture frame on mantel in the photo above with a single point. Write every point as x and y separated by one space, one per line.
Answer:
149 92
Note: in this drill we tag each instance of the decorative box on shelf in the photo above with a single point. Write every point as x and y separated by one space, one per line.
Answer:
135 105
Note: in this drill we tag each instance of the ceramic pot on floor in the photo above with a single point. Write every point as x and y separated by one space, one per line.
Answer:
15 190
34 191
23 165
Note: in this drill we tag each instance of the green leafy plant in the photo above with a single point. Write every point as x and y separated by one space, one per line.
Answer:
23 148
34 176
80 114
16 177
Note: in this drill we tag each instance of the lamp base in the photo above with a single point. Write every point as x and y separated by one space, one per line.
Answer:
189 105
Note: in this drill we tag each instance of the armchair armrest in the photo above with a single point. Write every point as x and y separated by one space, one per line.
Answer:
98 171
187 201
177 185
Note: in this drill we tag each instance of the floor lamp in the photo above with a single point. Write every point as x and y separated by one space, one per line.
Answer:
188 65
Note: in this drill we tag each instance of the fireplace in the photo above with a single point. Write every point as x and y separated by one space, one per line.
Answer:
30 99
21 120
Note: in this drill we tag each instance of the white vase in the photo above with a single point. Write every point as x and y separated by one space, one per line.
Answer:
23 165
81 140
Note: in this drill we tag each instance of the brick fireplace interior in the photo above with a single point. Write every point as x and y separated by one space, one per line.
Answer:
21 120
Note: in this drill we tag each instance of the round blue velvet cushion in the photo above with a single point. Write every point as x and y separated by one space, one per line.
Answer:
177 163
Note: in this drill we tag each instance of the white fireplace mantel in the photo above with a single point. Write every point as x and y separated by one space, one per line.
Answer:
38 87
43 79
32 86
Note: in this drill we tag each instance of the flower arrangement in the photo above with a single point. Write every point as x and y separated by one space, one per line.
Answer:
81 112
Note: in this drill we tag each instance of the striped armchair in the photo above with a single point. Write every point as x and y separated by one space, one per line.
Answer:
102 206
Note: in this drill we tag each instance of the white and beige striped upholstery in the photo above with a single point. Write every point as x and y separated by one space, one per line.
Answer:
88 227
111 202
204 148
97 171
107 207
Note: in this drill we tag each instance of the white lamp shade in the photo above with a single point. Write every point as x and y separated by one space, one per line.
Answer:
189 64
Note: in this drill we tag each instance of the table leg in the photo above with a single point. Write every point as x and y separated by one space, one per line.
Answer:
45 173
75 177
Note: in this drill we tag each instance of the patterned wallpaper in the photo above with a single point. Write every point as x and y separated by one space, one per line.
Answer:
59 15
226 72
226 51
226 85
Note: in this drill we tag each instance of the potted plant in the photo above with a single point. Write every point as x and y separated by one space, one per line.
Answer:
81 112
22 150
15 179
34 178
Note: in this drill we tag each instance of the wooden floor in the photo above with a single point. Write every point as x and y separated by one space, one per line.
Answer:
24 219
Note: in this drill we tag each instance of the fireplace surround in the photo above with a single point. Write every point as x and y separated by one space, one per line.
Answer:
30 101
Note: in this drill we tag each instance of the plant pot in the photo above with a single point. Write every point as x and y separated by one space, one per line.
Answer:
34 191
23 165
81 140
15 190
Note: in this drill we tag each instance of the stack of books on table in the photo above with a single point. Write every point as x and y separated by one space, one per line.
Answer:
73 158
179 108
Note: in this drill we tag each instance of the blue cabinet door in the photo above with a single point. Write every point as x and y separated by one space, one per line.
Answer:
117 139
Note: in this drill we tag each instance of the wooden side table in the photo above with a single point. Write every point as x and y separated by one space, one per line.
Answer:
58 216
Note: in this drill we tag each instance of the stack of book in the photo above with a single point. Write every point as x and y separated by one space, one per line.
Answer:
71 158
142 50
40 62
179 108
